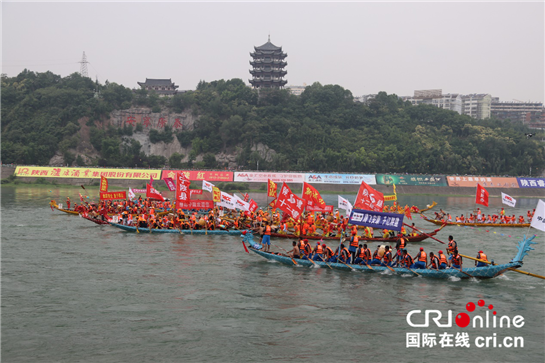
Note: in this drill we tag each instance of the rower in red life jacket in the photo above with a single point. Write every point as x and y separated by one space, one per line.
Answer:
443 261
434 262
421 259
481 256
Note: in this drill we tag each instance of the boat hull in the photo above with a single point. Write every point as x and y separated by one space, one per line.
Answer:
476 272
184 231
516 225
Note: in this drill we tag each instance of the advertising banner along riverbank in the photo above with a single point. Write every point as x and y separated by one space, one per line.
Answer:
264 177
92 173
194 175
340 178
430 180
485 181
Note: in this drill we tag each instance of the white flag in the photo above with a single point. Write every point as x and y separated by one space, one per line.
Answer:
131 194
538 221
227 201
345 204
207 186
507 199
241 204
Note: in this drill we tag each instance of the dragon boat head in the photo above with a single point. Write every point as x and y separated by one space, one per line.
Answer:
248 237
523 249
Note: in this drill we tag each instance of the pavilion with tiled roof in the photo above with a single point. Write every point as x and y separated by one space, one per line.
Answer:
268 66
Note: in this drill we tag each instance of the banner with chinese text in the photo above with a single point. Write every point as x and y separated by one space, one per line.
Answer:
195 204
531 182
113 195
485 181
432 180
224 176
340 178
381 220
93 173
264 177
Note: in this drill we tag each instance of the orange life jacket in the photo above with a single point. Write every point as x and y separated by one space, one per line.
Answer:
267 231
387 257
319 249
482 256
456 260
423 256
355 241
442 259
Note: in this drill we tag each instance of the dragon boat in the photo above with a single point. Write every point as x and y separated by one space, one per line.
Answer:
515 225
94 220
184 231
418 238
487 272
54 205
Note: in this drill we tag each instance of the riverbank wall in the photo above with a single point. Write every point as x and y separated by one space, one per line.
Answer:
7 171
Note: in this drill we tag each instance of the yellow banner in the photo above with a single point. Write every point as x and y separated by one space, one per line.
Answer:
91 173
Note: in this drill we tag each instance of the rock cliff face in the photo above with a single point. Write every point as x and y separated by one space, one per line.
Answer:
178 122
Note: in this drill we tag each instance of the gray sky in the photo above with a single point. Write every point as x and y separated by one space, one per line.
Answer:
366 47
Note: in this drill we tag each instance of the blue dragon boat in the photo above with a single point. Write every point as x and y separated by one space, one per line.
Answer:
487 272
184 231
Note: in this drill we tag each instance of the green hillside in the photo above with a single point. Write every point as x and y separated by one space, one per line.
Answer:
321 130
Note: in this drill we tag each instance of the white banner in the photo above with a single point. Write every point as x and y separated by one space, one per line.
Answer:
264 177
507 199
345 204
538 221
241 204
207 186
227 201
131 194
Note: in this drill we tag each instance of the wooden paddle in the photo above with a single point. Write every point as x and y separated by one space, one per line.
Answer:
325 262
460 269
511 268
424 233
295 263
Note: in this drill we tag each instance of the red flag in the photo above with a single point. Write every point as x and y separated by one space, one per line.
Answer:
369 199
80 197
271 190
152 193
290 203
246 197
312 196
408 212
182 188
170 184
253 206
482 196
103 184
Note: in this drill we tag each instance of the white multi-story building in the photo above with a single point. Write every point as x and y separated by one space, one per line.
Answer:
297 90
477 105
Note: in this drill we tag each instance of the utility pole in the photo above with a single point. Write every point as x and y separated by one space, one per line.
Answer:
83 68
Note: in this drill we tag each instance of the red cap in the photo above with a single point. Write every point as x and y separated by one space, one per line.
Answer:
480 251
317 243
421 248
244 233
306 240
440 251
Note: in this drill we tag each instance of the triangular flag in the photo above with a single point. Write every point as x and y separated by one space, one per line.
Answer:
538 220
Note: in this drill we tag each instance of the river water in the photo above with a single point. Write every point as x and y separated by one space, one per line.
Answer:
73 291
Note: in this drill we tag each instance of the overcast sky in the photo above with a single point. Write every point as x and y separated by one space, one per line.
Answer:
366 47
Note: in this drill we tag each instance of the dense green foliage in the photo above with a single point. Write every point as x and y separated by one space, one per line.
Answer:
321 130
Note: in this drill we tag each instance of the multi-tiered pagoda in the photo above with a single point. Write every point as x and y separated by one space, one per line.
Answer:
268 63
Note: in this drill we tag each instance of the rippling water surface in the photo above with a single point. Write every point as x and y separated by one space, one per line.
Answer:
73 291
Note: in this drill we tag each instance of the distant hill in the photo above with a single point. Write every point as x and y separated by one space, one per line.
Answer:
47 119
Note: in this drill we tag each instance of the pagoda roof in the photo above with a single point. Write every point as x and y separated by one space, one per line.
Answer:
268 46
157 82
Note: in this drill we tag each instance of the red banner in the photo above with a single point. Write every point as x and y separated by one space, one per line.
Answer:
195 191
312 196
182 188
369 199
152 193
482 195
290 203
103 184
224 176
271 188
195 204
113 195
170 184
328 208
253 206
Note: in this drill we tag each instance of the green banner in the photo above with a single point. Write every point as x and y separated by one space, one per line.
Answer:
433 180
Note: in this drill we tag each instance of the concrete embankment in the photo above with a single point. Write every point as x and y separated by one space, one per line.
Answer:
7 171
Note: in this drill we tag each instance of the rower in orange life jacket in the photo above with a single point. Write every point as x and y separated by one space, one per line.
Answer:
387 257
345 254
434 262
421 259
481 256
455 260
452 245
318 251
407 260
328 253
400 246
353 246
443 261
266 240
